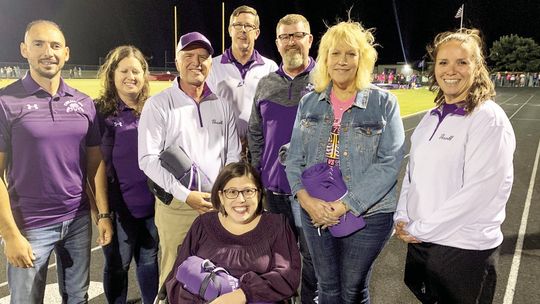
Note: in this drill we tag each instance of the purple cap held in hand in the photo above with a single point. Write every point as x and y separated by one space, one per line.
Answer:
194 38
326 183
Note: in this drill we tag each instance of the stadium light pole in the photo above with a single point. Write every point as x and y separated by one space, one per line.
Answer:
399 31
175 28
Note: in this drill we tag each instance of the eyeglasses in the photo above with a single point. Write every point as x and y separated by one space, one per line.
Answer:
244 26
296 36
246 193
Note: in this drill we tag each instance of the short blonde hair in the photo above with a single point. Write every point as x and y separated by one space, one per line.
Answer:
291 19
244 9
353 34
482 88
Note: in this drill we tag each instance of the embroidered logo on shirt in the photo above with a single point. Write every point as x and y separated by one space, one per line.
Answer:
444 137
215 122
32 106
73 106
117 124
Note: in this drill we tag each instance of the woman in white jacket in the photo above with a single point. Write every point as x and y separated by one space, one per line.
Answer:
458 179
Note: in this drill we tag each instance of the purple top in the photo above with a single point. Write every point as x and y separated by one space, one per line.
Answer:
277 125
265 259
45 139
255 59
119 148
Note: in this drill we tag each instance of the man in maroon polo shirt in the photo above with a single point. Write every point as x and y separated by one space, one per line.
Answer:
49 148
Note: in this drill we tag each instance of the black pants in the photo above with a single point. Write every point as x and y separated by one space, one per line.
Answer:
442 274
281 204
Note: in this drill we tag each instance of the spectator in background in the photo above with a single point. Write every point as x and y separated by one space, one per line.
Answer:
453 229
124 77
236 73
270 127
49 146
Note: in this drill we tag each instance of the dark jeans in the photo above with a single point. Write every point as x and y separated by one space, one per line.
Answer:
133 238
343 265
281 204
442 274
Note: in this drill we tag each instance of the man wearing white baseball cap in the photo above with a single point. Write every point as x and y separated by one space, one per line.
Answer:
187 115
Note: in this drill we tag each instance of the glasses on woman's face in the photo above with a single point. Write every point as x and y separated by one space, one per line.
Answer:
244 26
246 193
295 36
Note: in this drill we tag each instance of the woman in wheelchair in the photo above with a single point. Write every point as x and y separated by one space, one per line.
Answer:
238 253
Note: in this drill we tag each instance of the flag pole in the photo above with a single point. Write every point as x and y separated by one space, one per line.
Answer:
222 26
462 13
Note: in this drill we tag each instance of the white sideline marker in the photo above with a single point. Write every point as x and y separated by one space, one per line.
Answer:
514 270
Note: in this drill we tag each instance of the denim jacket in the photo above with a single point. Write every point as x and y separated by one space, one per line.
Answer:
371 146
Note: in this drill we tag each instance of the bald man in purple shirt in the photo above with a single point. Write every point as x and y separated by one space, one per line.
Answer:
49 148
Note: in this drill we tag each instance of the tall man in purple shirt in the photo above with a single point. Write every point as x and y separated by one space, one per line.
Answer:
49 146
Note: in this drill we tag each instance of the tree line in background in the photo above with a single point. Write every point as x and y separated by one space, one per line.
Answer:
515 54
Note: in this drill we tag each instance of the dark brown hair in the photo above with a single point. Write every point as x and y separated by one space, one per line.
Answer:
234 170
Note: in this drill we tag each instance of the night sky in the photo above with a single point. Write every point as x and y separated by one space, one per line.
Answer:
92 27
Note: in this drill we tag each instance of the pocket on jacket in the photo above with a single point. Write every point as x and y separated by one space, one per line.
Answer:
367 135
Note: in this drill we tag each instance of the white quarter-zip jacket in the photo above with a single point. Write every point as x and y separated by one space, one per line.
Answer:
459 178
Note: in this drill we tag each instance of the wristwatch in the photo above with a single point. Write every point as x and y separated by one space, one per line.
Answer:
104 215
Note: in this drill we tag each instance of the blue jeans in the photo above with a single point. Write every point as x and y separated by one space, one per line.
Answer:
133 238
283 204
343 265
70 240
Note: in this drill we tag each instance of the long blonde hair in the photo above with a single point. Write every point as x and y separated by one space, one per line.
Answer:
482 88
107 102
353 34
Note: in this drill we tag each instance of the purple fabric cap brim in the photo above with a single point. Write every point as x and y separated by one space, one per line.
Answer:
326 183
195 38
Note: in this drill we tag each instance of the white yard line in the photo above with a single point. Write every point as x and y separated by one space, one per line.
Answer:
508 99
514 270
526 102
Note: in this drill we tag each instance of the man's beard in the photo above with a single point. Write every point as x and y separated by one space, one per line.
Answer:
293 58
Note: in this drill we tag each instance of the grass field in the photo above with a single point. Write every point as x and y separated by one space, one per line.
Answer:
410 101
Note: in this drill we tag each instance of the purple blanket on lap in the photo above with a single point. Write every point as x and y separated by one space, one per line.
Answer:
201 277
326 183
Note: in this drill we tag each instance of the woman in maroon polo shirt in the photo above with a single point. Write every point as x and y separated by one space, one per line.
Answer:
124 77
256 247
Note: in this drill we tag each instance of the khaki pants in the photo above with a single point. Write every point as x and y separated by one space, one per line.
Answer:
173 222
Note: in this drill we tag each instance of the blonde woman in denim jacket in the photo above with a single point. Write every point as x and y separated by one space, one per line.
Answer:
366 145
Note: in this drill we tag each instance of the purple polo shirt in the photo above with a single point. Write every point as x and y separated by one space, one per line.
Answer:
45 139
119 147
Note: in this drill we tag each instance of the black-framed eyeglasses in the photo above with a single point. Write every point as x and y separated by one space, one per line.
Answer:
244 26
232 193
296 36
